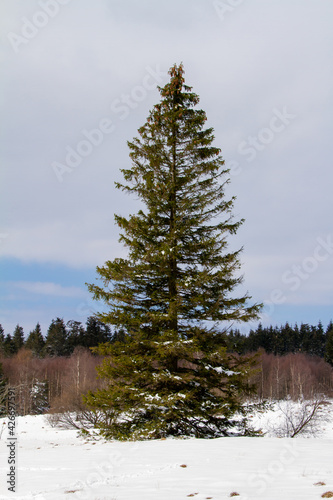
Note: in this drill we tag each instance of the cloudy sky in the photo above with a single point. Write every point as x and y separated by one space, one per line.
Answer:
79 78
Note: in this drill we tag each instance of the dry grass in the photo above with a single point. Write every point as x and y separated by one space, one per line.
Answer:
328 494
234 494
320 483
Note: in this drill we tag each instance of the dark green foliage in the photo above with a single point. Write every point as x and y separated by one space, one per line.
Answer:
281 340
36 342
2 341
96 333
18 338
313 339
329 344
172 374
61 339
172 388
236 342
9 346
75 335
56 340
318 340
39 397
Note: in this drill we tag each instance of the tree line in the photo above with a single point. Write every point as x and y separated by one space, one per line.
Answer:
281 340
52 374
61 338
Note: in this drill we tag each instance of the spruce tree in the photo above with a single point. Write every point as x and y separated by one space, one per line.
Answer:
329 344
39 397
75 335
173 294
18 338
56 343
2 341
35 341
9 347
96 333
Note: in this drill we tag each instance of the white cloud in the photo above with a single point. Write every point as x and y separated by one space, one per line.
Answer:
53 289
262 56
79 247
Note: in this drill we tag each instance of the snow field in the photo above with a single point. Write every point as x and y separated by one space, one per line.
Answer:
54 463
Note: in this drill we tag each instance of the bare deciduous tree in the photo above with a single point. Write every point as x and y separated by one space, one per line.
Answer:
302 417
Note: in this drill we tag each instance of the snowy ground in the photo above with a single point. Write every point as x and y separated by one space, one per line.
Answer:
52 463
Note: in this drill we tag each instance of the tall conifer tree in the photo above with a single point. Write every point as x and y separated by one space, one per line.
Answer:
18 338
329 344
2 341
96 333
35 341
173 295
56 342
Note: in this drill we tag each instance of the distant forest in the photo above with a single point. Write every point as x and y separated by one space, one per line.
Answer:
50 374
281 340
62 339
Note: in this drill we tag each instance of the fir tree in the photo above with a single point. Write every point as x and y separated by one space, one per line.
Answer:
96 333
287 340
18 338
173 295
9 347
56 340
305 338
329 344
35 341
320 340
76 334
2 341
39 397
